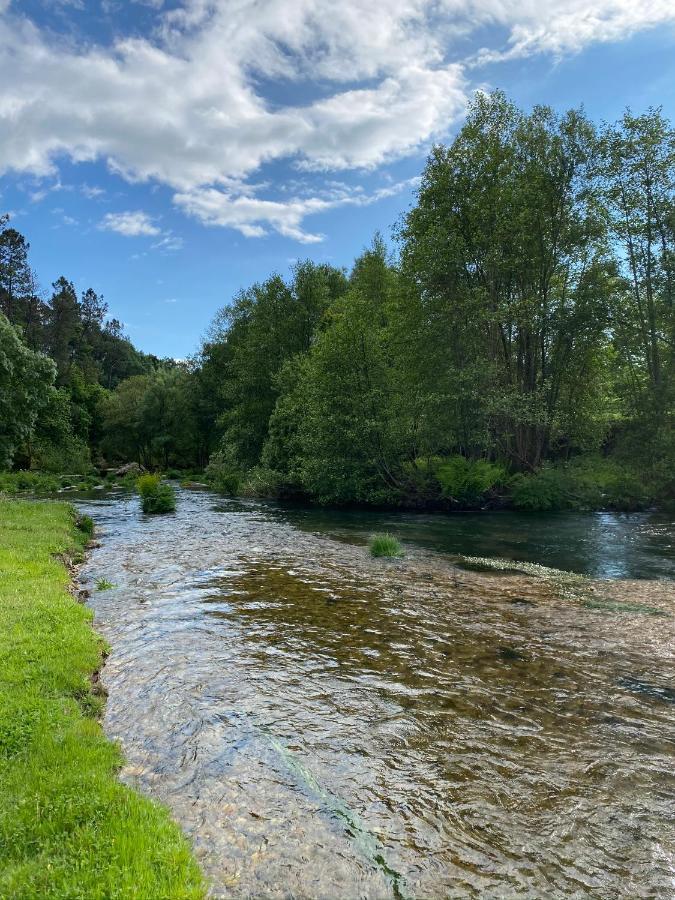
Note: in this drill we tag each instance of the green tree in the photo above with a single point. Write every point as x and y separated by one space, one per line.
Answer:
508 251
26 385
640 188
266 325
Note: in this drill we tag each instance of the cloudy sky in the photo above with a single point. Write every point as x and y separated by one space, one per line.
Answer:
169 152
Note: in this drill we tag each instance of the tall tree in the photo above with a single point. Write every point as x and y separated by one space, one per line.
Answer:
508 251
64 327
26 385
640 188
16 281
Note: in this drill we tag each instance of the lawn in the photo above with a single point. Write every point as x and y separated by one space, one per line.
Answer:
68 827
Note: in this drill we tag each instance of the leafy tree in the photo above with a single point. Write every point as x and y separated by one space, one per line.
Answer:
15 276
266 325
26 385
508 249
640 190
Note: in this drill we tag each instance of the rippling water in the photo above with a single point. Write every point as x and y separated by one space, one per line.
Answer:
327 725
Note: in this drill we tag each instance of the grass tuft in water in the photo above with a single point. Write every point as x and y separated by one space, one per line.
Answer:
385 545
156 495
102 584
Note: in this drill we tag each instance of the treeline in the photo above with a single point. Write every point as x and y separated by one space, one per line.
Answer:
61 360
520 348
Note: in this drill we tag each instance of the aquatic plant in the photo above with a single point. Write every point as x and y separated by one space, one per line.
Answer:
385 545
102 584
156 495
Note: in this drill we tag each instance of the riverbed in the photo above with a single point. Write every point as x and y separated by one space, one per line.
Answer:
323 724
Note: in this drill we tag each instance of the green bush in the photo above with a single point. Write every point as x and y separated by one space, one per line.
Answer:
468 482
156 495
222 473
385 545
86 525
29 482
586 483
261 482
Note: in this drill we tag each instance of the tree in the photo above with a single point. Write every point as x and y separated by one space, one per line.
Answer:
15 276
266 325
338 426
26 385
64 328
640 189
508 251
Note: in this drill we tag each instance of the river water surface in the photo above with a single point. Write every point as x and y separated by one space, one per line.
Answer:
323 724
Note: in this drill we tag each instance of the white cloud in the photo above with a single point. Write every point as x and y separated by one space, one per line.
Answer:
92 192
184 107
129 224
253 216
169 242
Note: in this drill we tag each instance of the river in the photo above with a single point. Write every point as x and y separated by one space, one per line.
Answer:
323 724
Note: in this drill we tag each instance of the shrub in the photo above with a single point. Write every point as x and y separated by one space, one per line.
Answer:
546 490
86 525
156 495
586 483
261 482
102 584
385 545
222 473
468 482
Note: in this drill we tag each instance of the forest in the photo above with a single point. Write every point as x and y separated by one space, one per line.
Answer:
516 347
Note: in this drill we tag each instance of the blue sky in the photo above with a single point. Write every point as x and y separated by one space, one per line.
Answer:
169 153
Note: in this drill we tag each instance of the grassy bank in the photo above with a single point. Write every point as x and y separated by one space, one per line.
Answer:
68 828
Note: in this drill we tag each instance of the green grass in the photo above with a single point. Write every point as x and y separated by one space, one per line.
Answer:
385 545
102 584
68 827
156 495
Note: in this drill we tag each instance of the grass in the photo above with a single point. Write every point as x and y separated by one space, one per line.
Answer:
385 545
68 827
102 584
156 496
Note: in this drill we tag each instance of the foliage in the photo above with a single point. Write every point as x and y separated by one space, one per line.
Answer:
223 472
68 826
469 482
26 380
86 526
156 495
102 584
587 483
528 322
385 545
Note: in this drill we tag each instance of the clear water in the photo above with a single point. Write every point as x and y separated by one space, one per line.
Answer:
327 725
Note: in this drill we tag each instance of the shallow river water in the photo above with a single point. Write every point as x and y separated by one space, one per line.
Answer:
327 725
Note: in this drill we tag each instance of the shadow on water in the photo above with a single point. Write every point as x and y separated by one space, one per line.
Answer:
323 724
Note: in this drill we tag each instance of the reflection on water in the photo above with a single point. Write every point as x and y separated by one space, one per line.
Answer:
602 545
326 725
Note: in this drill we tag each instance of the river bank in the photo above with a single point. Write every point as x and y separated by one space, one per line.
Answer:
68 827
314 717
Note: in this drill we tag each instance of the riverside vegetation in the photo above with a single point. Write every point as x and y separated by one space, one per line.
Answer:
518 350
68 827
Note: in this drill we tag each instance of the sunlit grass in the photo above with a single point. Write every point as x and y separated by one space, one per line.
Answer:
68 827
385 545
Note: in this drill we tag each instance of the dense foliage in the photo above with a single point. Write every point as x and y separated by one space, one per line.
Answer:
520 348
